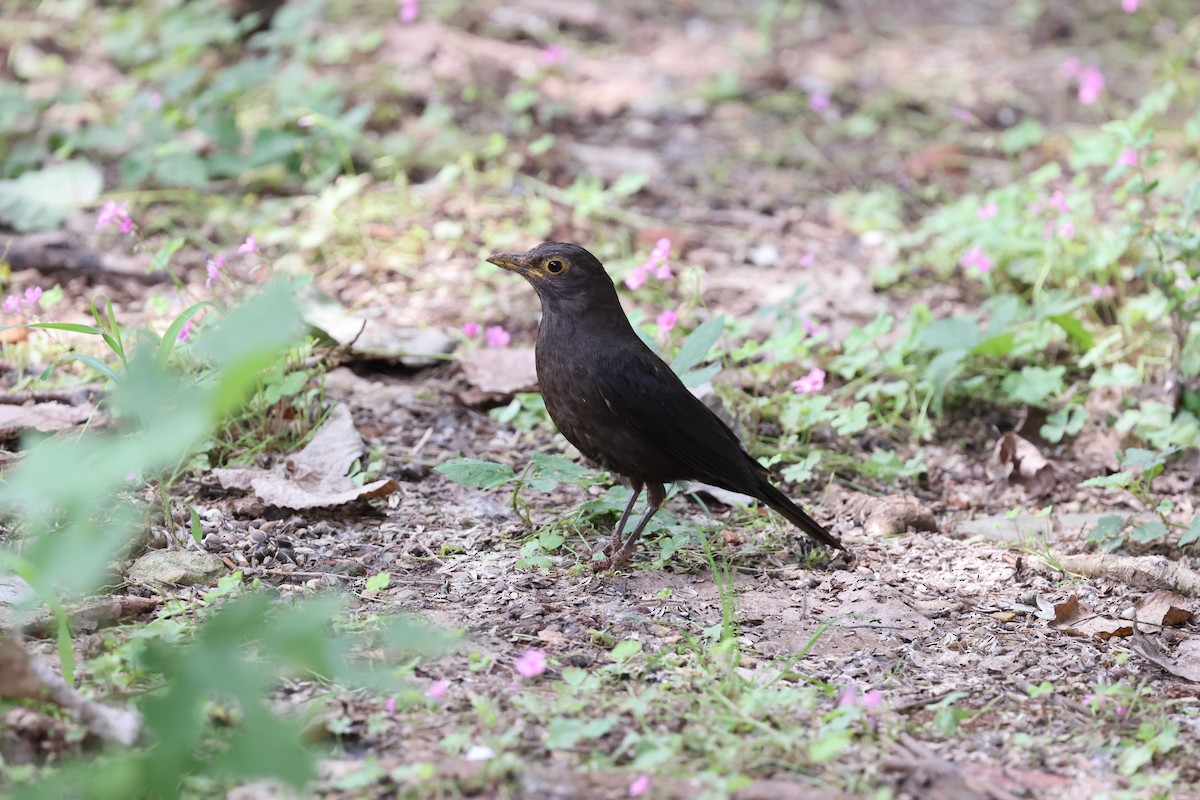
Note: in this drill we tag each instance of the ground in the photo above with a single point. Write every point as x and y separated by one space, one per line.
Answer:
938 658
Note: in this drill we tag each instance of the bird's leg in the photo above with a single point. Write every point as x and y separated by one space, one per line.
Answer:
615 544
655 495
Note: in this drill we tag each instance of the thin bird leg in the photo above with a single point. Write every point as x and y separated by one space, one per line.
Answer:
655 495
615 545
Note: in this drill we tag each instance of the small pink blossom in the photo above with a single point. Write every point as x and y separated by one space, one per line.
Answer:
552 55
1071 67
848 697
113 214
437 690
12 304
1130 6
185 332
871 700
32 295
988 211
964 115
1091 85
663 272
248 247
154 100
975 258
409 11
471 329
810 327
807 259
213 267
819 101
496 336
662 250
1058 201
1129 157
666 321
1099 292
636 279
531 663
639 786
1066 230
811 383
389 705
307 121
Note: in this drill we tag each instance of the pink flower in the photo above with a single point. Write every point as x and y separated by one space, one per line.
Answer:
409 11
807 259
988 211
1099 292
185 332
1058 201
809 327
248 247
1130 6
662 250
819 101
872 700
1129 157
437 690
306 121
32 295
496 336
666 321
552 55
640 785
531 663
1091 85
154 100
389 705
214 266
471 329
811 383
1070 67
637 278
848 697
663 272
12 304
1066 230
975 258
113 214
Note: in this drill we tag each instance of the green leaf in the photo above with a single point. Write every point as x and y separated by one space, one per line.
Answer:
378 582
625 649
196 526
1192 534
40 200
70 327
1148 532
474 472
1025 134
1118 480
1074 329
951 333
167 344
1034 385
182 169
163 256
701 376
697 344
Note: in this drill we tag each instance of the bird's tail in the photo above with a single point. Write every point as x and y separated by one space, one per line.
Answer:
796 515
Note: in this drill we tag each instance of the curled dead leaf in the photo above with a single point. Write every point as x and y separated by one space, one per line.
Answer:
1186 663
316 476
1075 619
1019 461
1162 608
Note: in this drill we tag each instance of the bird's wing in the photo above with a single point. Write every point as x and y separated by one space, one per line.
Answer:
648 397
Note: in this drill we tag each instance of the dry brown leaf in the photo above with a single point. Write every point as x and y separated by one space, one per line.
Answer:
501 372
45 417
17 678
1075 619
1019 461
1185 665
1162 608
316 476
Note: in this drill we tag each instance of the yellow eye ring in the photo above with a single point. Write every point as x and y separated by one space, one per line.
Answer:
554 266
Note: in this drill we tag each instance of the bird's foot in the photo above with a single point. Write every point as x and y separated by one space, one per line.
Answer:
617 558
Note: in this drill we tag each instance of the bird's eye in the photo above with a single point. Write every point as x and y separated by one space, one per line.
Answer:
554 266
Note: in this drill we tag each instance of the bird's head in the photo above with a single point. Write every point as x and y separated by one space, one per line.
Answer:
564 275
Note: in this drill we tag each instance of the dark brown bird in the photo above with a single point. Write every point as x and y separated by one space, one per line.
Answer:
621 405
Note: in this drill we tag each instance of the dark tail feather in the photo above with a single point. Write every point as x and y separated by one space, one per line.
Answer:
795 514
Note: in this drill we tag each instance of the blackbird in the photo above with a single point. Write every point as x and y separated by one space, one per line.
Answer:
621 405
